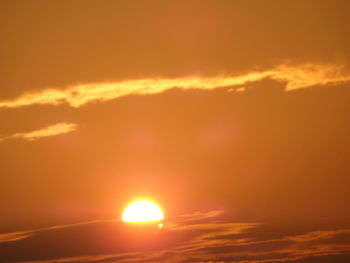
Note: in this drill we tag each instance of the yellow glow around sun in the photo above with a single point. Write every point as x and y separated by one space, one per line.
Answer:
142 211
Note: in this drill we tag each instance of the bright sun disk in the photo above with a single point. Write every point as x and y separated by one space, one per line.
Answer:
142 211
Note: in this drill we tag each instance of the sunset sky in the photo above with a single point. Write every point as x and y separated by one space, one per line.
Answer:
233 115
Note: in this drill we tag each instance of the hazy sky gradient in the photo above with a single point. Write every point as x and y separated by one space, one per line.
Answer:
239 106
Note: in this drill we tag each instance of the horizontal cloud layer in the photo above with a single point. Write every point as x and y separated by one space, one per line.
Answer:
201 238
52 130
296 77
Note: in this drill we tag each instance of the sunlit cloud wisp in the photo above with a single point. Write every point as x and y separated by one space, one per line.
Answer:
52 130
296 77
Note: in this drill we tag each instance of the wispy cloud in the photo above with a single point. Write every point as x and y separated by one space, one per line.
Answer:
9 237
296 77
15 236
52 130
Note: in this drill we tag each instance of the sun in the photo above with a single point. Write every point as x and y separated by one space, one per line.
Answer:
142 211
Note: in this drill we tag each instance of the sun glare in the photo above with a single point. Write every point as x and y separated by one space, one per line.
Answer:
142 211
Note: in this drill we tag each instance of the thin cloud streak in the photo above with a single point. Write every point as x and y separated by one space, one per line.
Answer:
9 237
15 236
296 77
52 130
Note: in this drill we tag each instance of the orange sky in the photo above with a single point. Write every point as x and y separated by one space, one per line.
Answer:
235 105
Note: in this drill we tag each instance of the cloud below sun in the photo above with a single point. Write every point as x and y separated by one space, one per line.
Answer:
200 237
296 77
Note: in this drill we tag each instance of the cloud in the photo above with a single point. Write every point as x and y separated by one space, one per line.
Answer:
319 235
198 216
52 130
213 240
8 237
15 236
296 77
